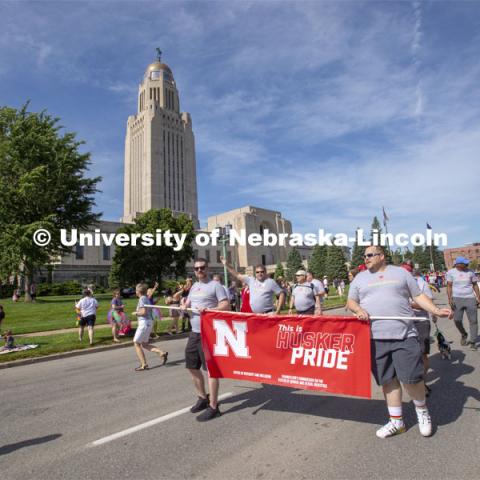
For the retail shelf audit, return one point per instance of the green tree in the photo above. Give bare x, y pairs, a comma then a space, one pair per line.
279, 270
421, 258
336, 265
397, 257
318, 261
438, 258
294, 263
375, 226
42, 185
136, 263
357, 253
408, 254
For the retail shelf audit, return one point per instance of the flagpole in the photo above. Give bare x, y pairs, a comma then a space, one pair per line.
432, 263
385, 218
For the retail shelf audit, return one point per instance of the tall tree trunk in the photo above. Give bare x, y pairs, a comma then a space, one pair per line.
28, 280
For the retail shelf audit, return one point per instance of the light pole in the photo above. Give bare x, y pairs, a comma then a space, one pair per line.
223, 238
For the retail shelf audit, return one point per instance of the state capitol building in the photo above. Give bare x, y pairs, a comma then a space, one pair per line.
160, 172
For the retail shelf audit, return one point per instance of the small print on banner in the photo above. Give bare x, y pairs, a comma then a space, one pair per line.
330, 354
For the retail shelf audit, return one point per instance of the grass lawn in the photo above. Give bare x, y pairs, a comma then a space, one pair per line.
66, 342
54, 313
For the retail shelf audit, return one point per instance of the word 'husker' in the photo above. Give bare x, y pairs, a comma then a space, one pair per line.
318, 349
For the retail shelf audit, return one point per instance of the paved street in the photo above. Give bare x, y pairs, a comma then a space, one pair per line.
53, 412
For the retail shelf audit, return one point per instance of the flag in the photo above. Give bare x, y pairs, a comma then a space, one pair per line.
385, 217
428, 226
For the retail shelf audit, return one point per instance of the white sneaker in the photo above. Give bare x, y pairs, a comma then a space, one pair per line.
391, 429
424, 422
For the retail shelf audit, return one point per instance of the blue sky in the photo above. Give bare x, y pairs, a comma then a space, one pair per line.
325, 111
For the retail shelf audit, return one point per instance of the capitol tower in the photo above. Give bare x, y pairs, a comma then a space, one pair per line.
160, 167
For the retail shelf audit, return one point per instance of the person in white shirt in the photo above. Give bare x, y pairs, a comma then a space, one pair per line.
88, 314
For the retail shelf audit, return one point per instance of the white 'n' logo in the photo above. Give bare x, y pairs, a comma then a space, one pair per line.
224, 335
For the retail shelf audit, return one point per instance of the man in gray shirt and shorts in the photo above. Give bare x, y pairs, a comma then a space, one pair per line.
385, 291
261, 288
204, 294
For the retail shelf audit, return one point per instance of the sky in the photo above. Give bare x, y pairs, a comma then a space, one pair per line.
325, 111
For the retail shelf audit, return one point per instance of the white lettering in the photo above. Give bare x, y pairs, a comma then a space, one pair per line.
237, 340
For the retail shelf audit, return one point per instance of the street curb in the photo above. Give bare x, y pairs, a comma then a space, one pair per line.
86, 351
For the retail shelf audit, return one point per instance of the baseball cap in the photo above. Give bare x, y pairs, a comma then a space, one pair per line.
301, 272
463, 260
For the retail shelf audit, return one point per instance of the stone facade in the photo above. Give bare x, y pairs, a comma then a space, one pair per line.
160, 167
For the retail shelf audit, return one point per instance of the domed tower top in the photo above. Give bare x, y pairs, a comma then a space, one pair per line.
155, 69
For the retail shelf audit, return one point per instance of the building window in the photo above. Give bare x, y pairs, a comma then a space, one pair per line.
195, 254
261, 229
219, 253
106, 252
229, 257
79, 252
207, 255
264, 259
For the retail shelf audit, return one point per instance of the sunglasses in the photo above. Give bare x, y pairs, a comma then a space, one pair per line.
370, 255
199, 269
260, 271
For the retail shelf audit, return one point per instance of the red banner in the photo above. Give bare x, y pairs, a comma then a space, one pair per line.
330, 354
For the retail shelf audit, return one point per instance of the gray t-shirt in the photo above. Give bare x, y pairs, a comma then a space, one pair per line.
387, 294
462, 283
142, 301
318, 285
204, 295
304, 296
424, 288
261, 294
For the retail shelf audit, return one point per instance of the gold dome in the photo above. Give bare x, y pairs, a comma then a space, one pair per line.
155, 66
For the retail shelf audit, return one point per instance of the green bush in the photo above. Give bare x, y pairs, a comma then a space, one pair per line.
66, 288
6, 290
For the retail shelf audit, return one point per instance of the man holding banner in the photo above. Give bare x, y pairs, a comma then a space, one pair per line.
204, 294
385, 291
261, 288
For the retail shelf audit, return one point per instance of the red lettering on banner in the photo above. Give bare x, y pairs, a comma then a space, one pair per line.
326, 341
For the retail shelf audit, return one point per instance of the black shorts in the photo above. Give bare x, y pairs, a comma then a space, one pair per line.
423, 328
400, 359
88, 320
309, 311
194, 357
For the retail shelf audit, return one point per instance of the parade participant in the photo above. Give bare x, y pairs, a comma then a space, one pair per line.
325, 286
88, 314
144, 328
218, 278
261, 289
204, 294
423, 326
305, 296
385, 291
184, 315
318, 285
116, 315
245, 299
464, 296
155, 311
174, 301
